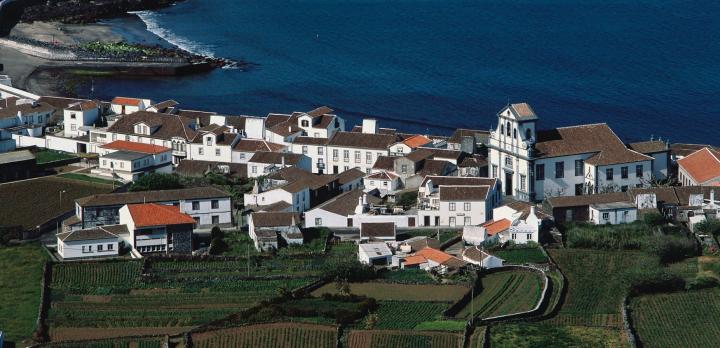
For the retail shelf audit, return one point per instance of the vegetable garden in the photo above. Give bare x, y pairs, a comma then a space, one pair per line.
505, 292
291, 335
403, 339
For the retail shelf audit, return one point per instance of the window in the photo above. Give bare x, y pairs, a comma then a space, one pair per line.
368, 157
578, 189
104, 163
514, 236
559, 170
335, 154
623, 172
452, 206
100, 247
385, 183
214, 204
320, 150
346, 155
201, 151
73, 127
452, 221
528, 134
357, 156
254, 169
494, 171
122, 164
508, 161
208, 141
195, 205
514, 133
110, 247
72, 116
468, 221
467, 206
217, 152
523, 186
579, 168
304, 123
609, 174
624, 188
403, 169
502, 128
215, 219
540, 172
507, 129
40, 118
605, 216
529, 236
318, 221
639, 170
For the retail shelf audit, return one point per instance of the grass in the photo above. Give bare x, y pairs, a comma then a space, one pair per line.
402, 339
36, 201
291, 335
20, 288
47, 156
539, 335
504, 293
406, 315
400, 292
441, 325
682, 319
407, 276
477, 340
83, 177
445, 234
595, 284
521, 255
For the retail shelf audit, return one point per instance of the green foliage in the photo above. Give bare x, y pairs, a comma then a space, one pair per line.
20, 288
519, 254
405, 315
408, 199
47, 156
540, 335
119, 48
217, 241
653, 280
702, 282
654, 219
407, 276
709, 226
156, 181
504, 293
441, 325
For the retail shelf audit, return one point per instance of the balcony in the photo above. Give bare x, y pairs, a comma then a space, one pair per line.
321, 165
522, 195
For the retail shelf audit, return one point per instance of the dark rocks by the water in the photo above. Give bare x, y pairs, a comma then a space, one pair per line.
82, 11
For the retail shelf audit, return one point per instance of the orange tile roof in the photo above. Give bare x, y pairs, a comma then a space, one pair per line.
493, 227
702, 165
152, 214
434, 255
126, 101
135, 147
416, 141
414, 260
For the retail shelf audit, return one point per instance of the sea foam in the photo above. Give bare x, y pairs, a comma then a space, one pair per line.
151, 20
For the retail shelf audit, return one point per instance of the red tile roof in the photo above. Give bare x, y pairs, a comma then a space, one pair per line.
701, 165
414, 260
434, 255
416, 141
126, 101
135, 147
494, 227
152, 214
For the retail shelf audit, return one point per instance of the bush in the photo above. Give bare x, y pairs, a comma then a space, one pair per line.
672, 249
156, 181
702, 282
217, 242
408, 199
709, 226
644, 281
654, 219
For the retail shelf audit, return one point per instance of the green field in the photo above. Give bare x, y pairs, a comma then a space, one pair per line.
402, 339
38, 200
400, 292
521, 255
477, 340
445, 234
539, 335
114, 343
682, 319
595, 284
291, 335
408, 276
47, 156
20, 288
504, 293
406, 315
92, 179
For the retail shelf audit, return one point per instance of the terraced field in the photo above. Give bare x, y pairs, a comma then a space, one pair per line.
505, 293
407, 292
402, 339
541, 335
683, 319
290, 335
407, 314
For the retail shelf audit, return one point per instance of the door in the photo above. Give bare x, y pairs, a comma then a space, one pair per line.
437, 221
426, 221
411, 222
335, 170
508, 184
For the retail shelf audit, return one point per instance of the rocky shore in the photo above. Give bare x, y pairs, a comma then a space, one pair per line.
82, 12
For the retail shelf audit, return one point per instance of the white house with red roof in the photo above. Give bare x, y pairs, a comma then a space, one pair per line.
125, 106
700, 168
128, 161
157, 228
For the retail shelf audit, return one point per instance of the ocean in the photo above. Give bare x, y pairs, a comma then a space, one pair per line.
647, 68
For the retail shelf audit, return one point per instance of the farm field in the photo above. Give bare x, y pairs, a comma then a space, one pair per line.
477, 340
521, 255
291, 335
505, 293
171, 296
539, 335
47, 156
406, 315
556, 289
83, 177
20, 288
402, 339
595, 284
412, 276
682, 319
150, 342
36, 201
400, 292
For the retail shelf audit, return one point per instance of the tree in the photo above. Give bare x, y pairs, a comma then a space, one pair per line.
342, 286
217, 241
156, 181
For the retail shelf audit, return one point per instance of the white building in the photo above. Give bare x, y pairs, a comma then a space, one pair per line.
214, 143
352, 209
360, 150
384, 182
157, 228
23, 117
264, 163
456, 201
659, 151
315, 149
525, 222
126, 106
129, 161
477, 256
613, 213
377, 254
79, 115
264, 227
246, 148
297, 194
701, 167
101, 241
533, 165
318, 123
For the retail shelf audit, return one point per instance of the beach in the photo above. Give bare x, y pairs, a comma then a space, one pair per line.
42, 76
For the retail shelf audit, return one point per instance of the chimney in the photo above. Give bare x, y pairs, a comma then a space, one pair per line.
293, 223
282, 161
712, 197
364, 199
197, 122
532, 210
360, 208
369, 126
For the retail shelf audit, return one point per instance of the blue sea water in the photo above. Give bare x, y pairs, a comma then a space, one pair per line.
645, 67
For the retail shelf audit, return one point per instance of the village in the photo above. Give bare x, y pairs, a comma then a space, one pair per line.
157, 225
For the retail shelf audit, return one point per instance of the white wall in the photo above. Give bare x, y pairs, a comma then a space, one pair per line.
618, 182
206, 212
365, 163
565, 186
328, 219
477, 213
614, 216
74, 249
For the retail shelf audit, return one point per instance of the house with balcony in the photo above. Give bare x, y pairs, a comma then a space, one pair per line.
263, 163
169, 130
533, 165
456, 201
157, 228
128, 161
318, 123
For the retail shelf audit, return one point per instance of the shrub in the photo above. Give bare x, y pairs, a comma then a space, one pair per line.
709, 226
671, 249
702, 282
646, 281
654, 219
156, 181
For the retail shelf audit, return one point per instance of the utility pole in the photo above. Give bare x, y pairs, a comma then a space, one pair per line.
248, 260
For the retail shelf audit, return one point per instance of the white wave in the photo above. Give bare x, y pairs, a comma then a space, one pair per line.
151, 21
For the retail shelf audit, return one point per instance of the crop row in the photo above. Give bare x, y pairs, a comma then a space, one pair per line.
100, 274
400, 339
267, 336
407, 314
